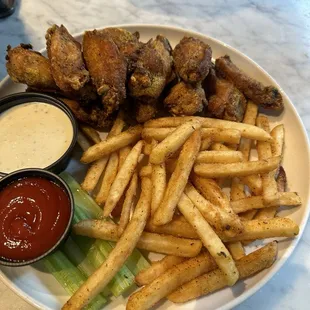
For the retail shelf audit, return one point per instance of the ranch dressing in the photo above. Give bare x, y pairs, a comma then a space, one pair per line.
33, 135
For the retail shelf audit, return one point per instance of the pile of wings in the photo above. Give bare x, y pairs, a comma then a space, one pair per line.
112, 68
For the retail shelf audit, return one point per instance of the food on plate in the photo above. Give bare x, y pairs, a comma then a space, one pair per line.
107, 68
227, 102
66, 59
192, 59
268, 97
185, 99
26, 215
29, 67
128, 43
24, 145
157, 268
215, 280
178, 179
161, 183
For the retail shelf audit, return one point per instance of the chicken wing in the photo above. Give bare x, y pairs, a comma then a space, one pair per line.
268, 97
66, 59
107, 67
192, 59
127, 43
186, 99
145, 110
228, 102
153, 69
29, 67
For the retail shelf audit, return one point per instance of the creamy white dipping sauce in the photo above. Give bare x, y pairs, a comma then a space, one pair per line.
33, 135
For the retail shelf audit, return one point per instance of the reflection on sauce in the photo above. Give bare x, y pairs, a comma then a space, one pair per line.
33, 135
34, 213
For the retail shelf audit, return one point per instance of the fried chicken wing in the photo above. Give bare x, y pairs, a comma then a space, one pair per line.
127, 43
228, 102
153, 69
185, 99
29, 67
107, 67
192, 59
145, 110
92, 115
268, 97
66, 59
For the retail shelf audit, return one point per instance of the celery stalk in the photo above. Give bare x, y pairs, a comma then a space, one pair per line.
69, 276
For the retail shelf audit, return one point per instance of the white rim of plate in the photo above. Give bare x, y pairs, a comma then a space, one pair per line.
302, 225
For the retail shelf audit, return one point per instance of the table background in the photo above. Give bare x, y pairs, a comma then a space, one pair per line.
275, 34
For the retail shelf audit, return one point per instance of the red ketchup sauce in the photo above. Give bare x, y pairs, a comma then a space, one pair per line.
34, 213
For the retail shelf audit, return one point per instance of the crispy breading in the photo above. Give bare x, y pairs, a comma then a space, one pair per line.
268, 97
227, 102
127, 43
185, 99
66, 59
153, 69
192, 59
29, 67
145, 109
107, 67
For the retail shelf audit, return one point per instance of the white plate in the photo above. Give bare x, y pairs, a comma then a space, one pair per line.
40, 288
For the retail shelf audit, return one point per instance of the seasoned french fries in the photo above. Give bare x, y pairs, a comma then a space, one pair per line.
148, 275
122, 155
215, 280
237, 169
178, 180
90, 133
236, 249
103, 275
258, 202
146, 171
128, 204
158, 243
169, 281
122, 178
221, 135
173, 142
210, 239
219, 157
247, 131
132, 135
277, 144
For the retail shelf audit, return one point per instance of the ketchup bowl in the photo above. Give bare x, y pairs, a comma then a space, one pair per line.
36, 212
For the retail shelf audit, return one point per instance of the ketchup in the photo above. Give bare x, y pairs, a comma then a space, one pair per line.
34, 213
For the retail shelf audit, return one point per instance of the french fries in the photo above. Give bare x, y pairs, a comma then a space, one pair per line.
90, 133
102, 276
122, 178
132, 135
148, 275
187, 160
128, 203
173, 142
210, 239
165, 284
247, 131
219, 157
95, 171
258, 202
158, 243
215, 280
178, 180
237, 169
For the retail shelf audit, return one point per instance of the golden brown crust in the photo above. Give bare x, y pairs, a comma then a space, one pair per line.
269, 97
107, 67
29, 67
192, 59
66, 59
185, 99
227, 102
153, 69
145, 110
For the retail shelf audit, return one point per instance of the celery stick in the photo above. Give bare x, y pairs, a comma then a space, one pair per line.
69, 276
78, 259
86, 207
